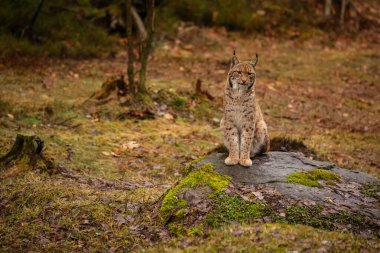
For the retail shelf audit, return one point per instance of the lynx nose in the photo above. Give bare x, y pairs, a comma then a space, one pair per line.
244, 79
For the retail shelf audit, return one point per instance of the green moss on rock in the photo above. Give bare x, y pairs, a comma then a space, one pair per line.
204, 184
233, 208
190, 165
311, 178
306, 215
201, 176
371, 190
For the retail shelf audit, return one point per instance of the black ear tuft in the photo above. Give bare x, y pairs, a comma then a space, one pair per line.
234, 60
254, 62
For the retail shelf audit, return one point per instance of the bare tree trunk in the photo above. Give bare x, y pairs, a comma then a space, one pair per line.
328, 5
342, 12
147, 45
129, 24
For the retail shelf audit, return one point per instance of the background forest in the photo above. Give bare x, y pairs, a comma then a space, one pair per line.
112, 148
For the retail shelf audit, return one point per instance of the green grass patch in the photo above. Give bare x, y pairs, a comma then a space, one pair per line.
311, 178
179, 102
204, 110
30, 121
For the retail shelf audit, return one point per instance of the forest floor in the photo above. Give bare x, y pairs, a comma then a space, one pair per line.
325, 94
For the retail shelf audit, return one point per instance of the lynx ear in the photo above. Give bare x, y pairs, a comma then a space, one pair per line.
234, 60
254, 62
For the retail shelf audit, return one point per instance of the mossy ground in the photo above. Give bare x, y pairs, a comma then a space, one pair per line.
268, 238
313, 216
322, 93
311, 177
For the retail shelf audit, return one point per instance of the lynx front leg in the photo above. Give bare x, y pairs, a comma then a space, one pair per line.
245, 148
231, 138
260, 142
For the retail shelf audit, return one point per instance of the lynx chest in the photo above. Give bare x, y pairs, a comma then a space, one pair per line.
239, 110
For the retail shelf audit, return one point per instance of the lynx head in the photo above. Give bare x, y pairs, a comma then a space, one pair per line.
242, 75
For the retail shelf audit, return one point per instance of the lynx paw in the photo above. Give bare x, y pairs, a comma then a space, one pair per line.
246, 162
231, 161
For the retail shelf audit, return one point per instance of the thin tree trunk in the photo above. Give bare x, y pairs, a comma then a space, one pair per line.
328, 6
33, 20
129, 24
342, 12
147, 45
36, 14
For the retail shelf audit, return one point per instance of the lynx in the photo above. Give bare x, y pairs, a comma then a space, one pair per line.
245, 131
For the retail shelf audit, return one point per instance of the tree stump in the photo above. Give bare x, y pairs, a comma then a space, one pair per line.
115, 84
26, 150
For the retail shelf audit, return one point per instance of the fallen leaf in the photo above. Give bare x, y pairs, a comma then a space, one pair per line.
117, 152
105, 153
328, 199
168, 116
130, 145
10, 116
148, 184
120, 219
114, 154
258, 195
188, 47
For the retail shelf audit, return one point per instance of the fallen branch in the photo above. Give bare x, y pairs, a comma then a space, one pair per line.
98, 182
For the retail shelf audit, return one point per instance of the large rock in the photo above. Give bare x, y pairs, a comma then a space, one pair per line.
278, 187
273, 169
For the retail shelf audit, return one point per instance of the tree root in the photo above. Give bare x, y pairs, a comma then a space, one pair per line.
98, 182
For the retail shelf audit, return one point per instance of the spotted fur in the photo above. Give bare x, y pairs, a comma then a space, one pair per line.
245, 131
